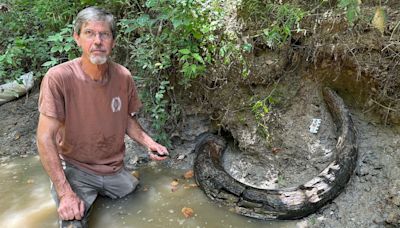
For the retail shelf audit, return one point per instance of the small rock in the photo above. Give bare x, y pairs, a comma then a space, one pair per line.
174, 183
379, 221
396, 201
362, 171
393, 218
133, 160
136, 174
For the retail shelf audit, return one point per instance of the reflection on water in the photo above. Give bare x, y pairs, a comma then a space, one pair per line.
157, 202
25, 195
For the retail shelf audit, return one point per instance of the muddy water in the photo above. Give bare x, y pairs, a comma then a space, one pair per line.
26, 201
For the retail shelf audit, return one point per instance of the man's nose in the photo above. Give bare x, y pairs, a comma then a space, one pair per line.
97, 38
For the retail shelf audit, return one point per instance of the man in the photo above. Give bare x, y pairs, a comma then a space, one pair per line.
87, 105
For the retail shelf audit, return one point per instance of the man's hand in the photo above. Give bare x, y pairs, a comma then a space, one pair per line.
158, 152
71, 207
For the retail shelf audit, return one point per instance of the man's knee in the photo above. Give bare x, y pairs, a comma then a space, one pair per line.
120, 185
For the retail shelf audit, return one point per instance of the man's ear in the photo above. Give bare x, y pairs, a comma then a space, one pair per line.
77, 39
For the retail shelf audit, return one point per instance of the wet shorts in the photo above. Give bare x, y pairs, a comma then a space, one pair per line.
88, 185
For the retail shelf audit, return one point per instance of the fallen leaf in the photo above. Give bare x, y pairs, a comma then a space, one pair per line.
189, 174
187, 212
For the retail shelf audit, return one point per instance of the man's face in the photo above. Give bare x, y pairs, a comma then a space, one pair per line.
96, 41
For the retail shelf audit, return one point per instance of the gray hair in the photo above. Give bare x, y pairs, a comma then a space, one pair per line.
94, 13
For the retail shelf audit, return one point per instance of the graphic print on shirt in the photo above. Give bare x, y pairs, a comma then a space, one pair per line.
116, 104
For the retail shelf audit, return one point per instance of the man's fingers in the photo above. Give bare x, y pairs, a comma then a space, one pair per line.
82, 209
71, 208
78, 210
163, 150
158, 158
66, 214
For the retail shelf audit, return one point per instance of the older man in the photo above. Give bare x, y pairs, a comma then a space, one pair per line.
87, 105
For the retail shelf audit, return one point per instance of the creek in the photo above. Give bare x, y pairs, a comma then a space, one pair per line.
26, 201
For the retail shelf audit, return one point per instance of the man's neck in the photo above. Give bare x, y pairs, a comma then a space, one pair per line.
94, 71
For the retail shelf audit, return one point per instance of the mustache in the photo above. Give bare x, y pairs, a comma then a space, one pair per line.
97, 49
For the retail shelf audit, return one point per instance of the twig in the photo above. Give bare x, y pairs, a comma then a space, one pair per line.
383, 106
395, 27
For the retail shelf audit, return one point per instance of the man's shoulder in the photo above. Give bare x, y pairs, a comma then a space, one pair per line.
62, 69
120, 70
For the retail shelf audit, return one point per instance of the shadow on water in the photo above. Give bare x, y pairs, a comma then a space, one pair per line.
157, 202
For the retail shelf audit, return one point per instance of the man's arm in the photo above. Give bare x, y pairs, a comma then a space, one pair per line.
71, 206
136, 132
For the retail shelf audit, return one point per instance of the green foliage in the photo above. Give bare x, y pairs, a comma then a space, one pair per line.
352, 9
159, 114
273, 22
21, 55
287, 17
260, 109
179, 34
23, 45
63, 47
176, 40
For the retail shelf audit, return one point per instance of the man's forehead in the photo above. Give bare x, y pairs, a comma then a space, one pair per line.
103, 25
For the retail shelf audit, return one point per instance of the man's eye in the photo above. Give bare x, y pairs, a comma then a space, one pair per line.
88, 32
105, 35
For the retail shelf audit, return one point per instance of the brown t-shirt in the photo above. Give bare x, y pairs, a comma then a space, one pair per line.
94, 114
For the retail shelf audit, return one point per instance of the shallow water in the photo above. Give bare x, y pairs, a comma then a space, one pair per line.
26, 201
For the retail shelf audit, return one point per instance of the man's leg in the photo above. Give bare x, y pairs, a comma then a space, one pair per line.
119, 185
86, 186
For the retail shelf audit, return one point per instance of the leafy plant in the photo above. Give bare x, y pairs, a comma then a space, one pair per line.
22, 55
23, 45
273, 22
260, 109
62, 47
175, 40
287, 18
352, 8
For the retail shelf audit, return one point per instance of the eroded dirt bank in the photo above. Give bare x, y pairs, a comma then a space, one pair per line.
371, 199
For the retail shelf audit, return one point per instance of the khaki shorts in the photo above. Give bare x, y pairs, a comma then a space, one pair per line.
88, 185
